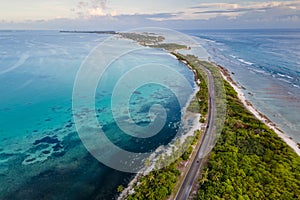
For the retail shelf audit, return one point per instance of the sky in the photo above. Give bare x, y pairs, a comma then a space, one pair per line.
127, 14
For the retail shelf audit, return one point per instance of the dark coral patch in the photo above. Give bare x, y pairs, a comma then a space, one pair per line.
30, 160
46, 152
68, 125
47, 139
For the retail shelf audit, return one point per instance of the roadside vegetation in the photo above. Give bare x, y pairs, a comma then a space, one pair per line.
159, 184
249, 160
200, 103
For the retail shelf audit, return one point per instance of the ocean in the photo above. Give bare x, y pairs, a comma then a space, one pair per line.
266, 64
41, 154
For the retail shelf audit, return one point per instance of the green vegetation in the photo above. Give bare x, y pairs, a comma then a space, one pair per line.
249, 160
200, 103
120, 188
220, 106
145, 39
153, 40
159, 184
169, 46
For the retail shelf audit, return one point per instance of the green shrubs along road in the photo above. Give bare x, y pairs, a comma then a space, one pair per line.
249, 160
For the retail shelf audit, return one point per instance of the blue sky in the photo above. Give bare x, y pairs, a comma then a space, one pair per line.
126, 14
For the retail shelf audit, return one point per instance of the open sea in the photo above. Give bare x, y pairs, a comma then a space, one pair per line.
41, 155
267, 64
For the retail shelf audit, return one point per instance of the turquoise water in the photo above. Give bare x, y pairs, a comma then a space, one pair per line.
267, 64
41, 155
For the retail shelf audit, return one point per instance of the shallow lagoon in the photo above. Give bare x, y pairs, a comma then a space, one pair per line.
41, 155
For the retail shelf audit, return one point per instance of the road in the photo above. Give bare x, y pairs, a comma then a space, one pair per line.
204, 148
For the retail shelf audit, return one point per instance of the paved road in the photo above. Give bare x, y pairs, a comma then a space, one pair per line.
204, 148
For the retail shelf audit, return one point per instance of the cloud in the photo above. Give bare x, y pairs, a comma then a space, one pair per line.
215, 5
253, 19
163, 16
222, 11
206, 11
96, 12
224, 8
92, 15
93, 8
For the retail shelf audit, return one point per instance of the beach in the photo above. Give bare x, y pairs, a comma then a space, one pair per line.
263, 118
198, 126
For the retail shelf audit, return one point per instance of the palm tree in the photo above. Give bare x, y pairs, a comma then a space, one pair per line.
204, 177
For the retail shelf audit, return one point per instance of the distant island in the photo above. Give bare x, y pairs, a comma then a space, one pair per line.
97, 32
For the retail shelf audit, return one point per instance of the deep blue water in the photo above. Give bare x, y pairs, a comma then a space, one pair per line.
41, 155
267, 64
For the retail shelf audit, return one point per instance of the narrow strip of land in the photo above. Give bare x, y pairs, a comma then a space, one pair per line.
204, 148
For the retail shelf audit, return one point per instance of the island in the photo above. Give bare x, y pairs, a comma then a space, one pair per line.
250, 160
96, 32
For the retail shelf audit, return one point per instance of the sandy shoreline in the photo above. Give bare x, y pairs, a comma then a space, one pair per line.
226, 75
197, 125
258, 114
264, 119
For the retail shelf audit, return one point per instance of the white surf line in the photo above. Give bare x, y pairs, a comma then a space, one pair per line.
260, 116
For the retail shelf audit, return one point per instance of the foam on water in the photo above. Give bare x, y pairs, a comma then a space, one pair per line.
272, 57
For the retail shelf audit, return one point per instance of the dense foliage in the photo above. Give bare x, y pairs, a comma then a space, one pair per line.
249, 160
159, 184
156, 185
200, 103
169, 46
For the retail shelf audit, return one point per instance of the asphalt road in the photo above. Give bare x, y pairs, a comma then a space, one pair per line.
204, 148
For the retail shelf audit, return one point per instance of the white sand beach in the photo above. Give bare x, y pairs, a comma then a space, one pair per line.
257, 113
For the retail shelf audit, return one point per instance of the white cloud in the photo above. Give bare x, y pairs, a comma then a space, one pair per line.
206, 11
92, 8
96, 12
